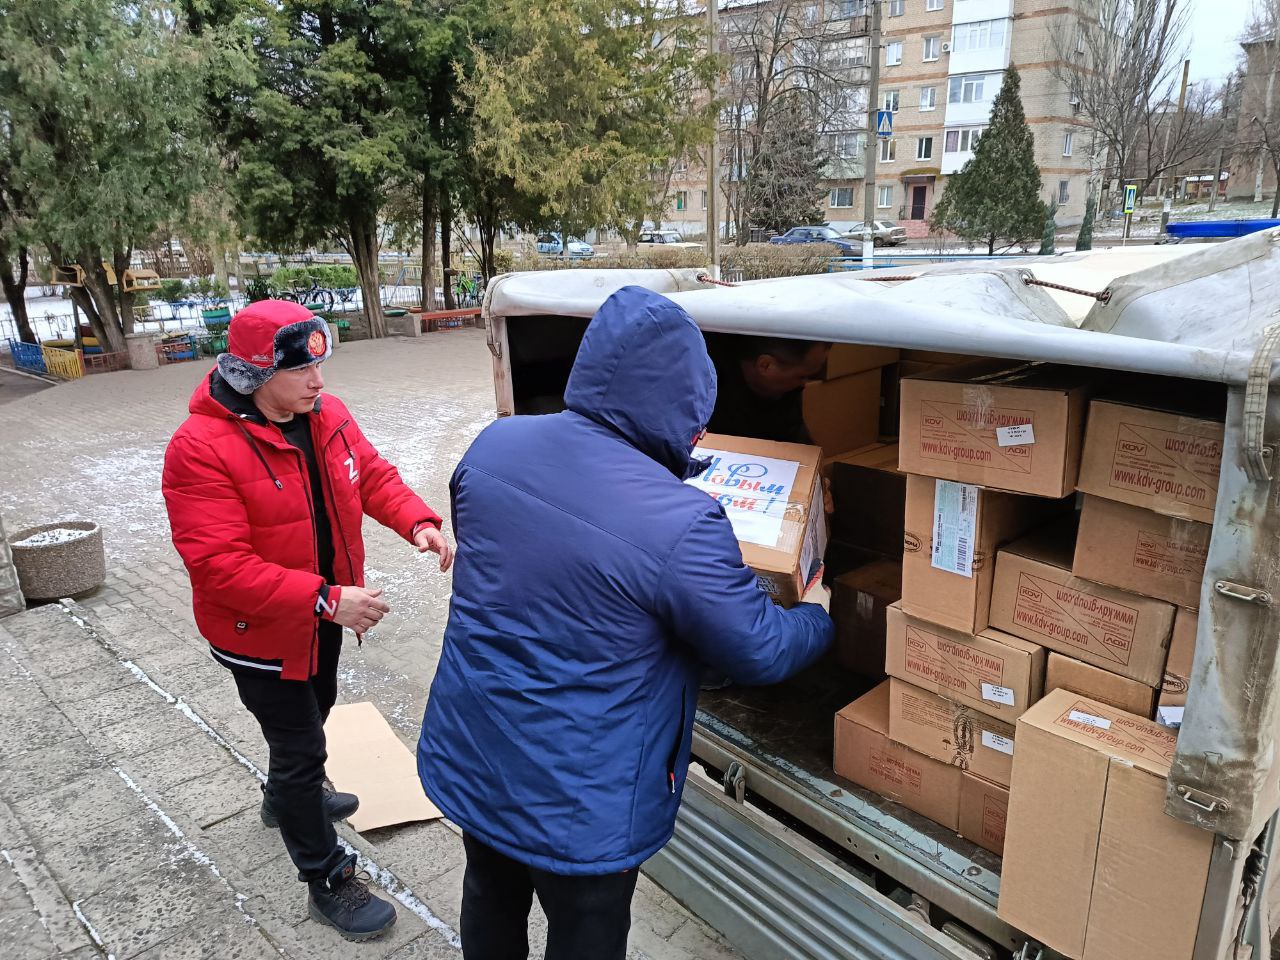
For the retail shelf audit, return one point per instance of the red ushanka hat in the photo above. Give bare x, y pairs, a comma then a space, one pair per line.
272, 335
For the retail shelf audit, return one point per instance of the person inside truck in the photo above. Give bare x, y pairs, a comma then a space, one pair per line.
761, 385
591, 585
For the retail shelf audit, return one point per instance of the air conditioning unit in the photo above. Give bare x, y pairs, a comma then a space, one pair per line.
946, 46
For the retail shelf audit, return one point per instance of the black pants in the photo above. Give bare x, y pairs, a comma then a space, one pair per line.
291, 714
588, 918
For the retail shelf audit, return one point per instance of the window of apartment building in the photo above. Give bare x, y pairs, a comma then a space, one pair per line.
845, 144
892, 101
884, 197
810, 15
888, 150
682, 199
842, 197
1064, 191
847, 9
893, 53
971, 88
1068, 143
682, 165
847, 53
982, 35
924, 148
897, 7
963, 140
932, 48
928, 98
933, 4
704, 199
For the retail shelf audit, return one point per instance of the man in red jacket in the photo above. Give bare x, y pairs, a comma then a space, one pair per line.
267, 483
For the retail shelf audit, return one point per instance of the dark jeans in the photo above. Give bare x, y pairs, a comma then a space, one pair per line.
291, 714
588, 918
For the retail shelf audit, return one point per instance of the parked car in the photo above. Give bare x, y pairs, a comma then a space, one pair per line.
550, 244
670, 239
818, 235
884, 233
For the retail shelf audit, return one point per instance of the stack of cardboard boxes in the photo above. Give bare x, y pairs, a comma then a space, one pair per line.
1031, 644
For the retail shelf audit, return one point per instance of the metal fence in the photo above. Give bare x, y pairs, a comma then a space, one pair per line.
889, 261
49, 361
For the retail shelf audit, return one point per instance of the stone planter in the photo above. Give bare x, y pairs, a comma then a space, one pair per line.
142, 351
63, 559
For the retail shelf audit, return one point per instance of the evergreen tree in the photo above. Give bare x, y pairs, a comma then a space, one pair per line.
996, 196
1050, 228
784, 186
1085, 240
103, 140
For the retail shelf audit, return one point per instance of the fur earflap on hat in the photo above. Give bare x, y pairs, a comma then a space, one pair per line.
272, 335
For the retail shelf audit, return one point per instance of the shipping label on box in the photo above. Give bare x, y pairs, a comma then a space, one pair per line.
946, 596
1142, 551
1000, 675
1036, 597
950, 732
1152, 458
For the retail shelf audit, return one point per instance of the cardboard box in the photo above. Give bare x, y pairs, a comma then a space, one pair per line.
772, 494
991, 671
843, 414
1066, 673
1182, 652
865, 754
859, 601
1142, 551
951, 732
1036, 598
1158, 459
1092, 866
846, 359
984, 808
869, 495
949, 581
1010, 427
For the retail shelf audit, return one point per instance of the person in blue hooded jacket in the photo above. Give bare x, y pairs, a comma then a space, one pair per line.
591, 588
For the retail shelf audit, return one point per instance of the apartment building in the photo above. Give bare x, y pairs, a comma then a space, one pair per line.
1244, 165
941, 65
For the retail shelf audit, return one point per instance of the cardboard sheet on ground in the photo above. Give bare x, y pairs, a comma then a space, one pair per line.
367, 758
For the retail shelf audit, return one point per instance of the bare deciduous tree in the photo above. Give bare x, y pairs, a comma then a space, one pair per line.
785, 59
1260, 132
1119, 61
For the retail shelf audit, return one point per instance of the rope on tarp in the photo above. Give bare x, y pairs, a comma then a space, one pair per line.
706, 278
1103, 296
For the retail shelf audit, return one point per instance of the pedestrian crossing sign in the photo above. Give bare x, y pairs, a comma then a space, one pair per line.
884, 123
1130, 197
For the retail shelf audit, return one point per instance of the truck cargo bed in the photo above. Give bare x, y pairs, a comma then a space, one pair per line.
782, 738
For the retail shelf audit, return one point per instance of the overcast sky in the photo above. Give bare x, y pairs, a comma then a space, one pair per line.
1214, 32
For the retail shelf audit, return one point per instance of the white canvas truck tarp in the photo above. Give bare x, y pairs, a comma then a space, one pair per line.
1203, 312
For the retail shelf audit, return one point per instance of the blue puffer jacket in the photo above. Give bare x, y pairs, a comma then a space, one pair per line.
590, 585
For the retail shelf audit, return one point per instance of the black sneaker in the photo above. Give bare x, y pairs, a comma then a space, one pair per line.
343, 901
339, 806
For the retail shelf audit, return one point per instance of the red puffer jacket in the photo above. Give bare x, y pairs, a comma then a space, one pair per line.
240, 507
